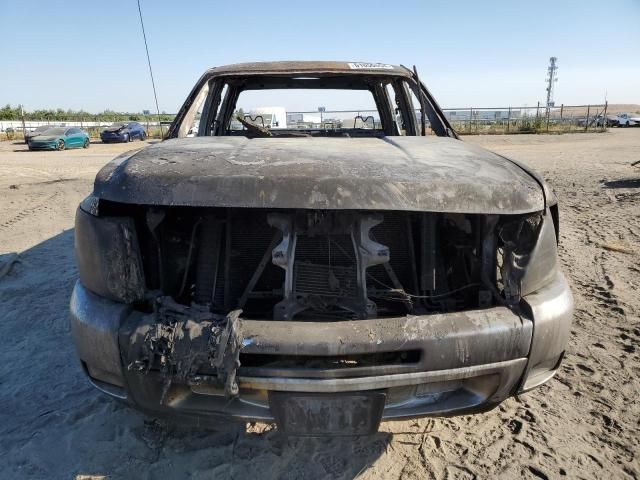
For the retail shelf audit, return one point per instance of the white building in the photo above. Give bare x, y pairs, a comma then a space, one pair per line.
481, 115
269, 117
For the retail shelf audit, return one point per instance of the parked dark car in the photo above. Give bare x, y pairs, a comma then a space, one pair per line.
599, 121
123, 132
612, 121
325, 279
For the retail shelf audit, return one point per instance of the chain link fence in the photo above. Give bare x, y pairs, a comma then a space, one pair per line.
530, 119
465, 120
473, 121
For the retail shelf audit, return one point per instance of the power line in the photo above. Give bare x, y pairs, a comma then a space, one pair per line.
153, 83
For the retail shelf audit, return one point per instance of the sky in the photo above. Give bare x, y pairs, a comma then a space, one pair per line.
90, 55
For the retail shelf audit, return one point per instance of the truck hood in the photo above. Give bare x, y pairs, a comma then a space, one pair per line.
394, 173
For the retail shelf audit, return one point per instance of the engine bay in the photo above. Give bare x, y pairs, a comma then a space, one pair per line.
317, 265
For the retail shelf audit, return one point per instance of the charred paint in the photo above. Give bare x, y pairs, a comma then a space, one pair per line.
410, 173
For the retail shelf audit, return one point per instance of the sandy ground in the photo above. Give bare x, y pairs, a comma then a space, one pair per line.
583, 424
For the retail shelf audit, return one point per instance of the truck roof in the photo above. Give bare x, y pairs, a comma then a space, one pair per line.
310, 67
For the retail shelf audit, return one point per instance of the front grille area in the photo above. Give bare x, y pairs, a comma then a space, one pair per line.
377, 359
325, 249
316, 265
325, 280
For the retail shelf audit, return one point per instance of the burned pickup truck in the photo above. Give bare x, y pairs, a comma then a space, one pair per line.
326, 271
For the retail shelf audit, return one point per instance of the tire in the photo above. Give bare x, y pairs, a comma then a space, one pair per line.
143, 137
127, 138
86, 143
60, 145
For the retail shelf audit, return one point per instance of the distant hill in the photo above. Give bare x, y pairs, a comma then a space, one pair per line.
581, 112
623, 108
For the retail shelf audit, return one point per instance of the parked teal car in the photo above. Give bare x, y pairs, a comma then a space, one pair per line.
60, 138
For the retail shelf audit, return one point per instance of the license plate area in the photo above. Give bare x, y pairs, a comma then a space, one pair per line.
318, 414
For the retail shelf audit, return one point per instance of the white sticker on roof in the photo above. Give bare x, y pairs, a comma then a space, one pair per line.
370, 66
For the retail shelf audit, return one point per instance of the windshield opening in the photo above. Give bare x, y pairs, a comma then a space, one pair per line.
54, 131
341, 105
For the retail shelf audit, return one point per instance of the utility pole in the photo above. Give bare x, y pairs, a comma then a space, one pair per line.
24, 128
552, 78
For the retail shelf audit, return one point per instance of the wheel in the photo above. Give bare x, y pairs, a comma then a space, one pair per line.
143, 137
60, 145
86, 143
127, 138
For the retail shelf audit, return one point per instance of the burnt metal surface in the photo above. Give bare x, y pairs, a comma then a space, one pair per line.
95, 321
180, 341
451, 340
420, 268
455, 341
403, 173
294, 67
108, 249
289, 69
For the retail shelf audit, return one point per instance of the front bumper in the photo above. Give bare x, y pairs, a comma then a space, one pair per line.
468, 361
120, 137
43, 146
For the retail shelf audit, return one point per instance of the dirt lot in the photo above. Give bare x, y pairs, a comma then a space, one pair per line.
583, 424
